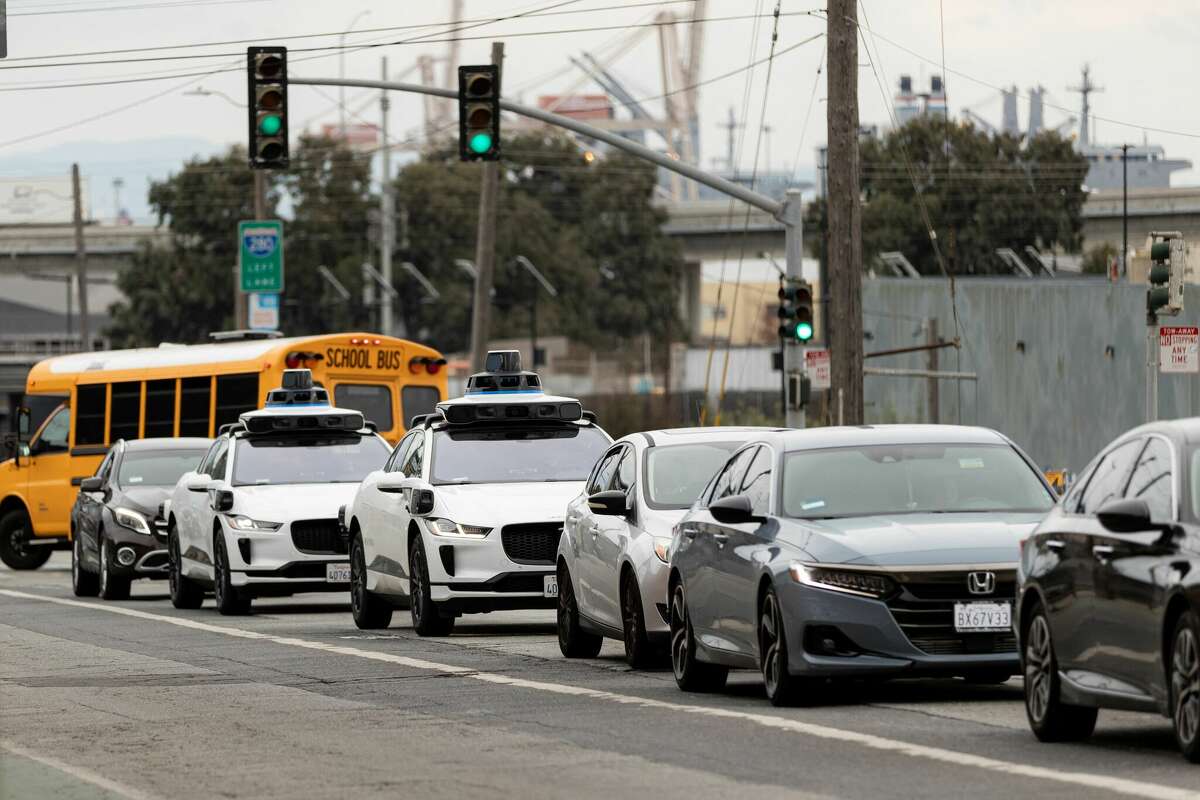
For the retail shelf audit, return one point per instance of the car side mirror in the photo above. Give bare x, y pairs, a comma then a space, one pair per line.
393, 483
200, 483
734, 510
94, 484
610, 502
1126, 516
420, 502
221, 500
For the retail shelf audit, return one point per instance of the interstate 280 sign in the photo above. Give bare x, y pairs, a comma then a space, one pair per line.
260, 255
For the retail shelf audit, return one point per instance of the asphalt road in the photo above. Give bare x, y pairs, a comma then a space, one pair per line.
138, 700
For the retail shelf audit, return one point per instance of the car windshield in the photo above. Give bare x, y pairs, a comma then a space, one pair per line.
516, 455
157, 467
875, 480
276, 460
676, 474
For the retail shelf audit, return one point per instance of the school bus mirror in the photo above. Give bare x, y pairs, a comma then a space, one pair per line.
23, 420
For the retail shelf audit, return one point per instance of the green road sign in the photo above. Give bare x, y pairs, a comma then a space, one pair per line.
260, 261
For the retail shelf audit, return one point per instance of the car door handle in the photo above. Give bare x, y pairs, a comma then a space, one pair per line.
1103, 551
1056, 545
594, 530
688, 533
720, 539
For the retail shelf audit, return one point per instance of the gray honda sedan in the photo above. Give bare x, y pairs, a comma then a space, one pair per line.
874, 551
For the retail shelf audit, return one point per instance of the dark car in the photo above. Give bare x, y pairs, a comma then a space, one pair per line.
873, 551
1109, 591
117, 531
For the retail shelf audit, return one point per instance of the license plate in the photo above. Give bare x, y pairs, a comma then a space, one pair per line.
550, 586
337, 573
982, 617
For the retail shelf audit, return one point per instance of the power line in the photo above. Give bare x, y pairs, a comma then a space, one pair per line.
139, 7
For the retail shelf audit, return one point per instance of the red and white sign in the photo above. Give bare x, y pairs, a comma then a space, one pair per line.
1178, 349
816, 364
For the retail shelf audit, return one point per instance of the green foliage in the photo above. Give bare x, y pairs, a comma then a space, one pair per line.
589, 228
1096, 261
982, 192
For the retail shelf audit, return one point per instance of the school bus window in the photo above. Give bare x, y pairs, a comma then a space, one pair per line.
194, 405
126, 408
56, 434
160, 408
415, 400
236, 394
40, 406
375, 402
89, 414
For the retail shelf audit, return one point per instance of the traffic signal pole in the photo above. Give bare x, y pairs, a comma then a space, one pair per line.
485, 246
788, 212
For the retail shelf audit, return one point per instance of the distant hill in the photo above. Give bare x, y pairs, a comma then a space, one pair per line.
136, 161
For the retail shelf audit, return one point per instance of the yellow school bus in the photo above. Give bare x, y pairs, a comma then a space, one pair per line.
185, 390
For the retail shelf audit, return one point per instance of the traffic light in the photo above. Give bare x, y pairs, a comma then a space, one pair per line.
479, 113
1165, 295
796, 310
268, 143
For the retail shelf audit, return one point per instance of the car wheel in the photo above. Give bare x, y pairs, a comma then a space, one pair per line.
573, 640
691, 674
427, 618
783, 688
185, 592
1185, 686
1050, 718
638, 650
371, 612
231, 601
15, 550
112, 585
84, 583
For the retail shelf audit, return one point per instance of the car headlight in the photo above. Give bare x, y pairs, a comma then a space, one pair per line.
241, 523
440, 526
662, 548
128, 518
866, 584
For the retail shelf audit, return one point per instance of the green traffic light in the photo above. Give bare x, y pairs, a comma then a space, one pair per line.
804, 331
480, 143
270, 124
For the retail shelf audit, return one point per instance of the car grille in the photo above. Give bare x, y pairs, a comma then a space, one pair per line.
924, 610
317, 536
531, 543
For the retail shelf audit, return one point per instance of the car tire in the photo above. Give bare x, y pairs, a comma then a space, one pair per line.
1185, 685
782, 687
231, 601
15, 533
639, 652
84, 583
185, 592
427, 618
370, 611
112, 585
691, 674
1049, 717
573, 640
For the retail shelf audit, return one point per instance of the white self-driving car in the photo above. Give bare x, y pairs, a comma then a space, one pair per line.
466, 515
614, 552
259, 515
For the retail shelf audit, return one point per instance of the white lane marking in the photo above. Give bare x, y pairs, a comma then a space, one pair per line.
80, 773
1154, 791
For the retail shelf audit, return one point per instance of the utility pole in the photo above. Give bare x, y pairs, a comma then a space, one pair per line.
240, 298
932, 365
485, 248
81, 264
1124, 209
385, 213
844, 238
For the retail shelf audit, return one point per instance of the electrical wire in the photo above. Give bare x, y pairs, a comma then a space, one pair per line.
139, 7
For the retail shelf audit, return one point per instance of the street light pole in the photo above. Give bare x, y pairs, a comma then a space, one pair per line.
535, 278
385, 212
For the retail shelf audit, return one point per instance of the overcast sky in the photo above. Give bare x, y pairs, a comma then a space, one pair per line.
1145, 55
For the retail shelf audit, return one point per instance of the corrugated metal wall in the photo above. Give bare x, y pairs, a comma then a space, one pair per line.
1061, 362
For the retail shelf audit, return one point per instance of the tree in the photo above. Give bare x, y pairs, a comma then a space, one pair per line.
182, 292
982, 192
